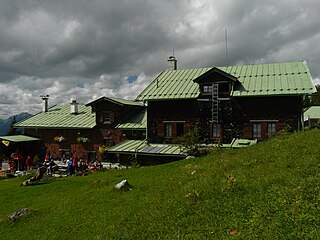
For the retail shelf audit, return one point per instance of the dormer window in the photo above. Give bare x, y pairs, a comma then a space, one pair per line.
106, 118
207, 88
216, 82
217, 89
224, 88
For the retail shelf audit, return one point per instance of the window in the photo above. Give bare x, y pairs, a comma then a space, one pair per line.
216, 130
108, 142
168, 130
106, 117
224, 87
256, 130
207, 89
271, 129
180, 129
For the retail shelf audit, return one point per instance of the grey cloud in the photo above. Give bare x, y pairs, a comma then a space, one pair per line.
57, 46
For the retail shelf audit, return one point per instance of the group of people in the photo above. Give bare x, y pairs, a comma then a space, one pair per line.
74, 166
18, 163
81, 167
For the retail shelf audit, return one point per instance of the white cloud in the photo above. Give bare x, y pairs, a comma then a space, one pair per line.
88, 49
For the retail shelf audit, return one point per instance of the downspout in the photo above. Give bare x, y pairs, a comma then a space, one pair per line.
136, 150
145, 139
302, 113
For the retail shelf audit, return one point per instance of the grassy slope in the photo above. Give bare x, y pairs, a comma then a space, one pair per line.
267, 191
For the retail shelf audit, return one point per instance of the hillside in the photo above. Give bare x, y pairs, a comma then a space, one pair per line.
5, 124
266, 191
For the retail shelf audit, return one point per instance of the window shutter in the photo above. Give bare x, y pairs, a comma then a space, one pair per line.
186, 128
161, 130
112, 117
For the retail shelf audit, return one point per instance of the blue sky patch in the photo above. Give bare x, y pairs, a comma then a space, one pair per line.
80, 85
132, 78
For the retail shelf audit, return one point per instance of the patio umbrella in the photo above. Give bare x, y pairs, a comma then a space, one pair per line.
5, 142
17, 158
47, 156
46, 159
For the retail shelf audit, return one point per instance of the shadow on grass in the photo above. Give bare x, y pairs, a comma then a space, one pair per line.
33, 184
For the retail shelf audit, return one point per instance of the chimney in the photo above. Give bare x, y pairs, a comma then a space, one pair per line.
74, 106
172, 63
44, 102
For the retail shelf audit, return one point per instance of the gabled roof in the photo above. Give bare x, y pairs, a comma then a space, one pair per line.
312, 112
59, 116
118, 101
176, 84
136, 121
291, 78
224, 76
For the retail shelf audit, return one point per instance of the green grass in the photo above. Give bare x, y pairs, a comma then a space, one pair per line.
267, 191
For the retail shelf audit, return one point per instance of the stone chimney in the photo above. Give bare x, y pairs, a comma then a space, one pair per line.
44, 102
172, 63
74, 106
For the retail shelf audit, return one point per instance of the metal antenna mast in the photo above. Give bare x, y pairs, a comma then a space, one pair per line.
226, 40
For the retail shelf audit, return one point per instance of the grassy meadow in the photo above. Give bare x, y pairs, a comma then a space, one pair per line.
266, 191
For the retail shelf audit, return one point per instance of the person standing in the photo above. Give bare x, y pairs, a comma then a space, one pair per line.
28, 163
70, 168
75, 163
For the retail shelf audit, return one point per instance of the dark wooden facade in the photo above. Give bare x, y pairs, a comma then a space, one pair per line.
87, 141
221, 117
72, 142
238, 118
108, 116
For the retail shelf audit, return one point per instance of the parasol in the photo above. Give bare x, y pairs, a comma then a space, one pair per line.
17, 158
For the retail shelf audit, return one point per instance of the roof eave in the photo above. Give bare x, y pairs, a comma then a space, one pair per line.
170, 99
271, 95
49, 127
151, 154
215, 69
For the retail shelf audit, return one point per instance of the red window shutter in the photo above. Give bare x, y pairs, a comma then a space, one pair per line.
186, 128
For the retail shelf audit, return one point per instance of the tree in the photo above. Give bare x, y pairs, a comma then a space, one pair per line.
190, 141
313, 100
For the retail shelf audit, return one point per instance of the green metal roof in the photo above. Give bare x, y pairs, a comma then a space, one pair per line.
127, 102
119, 101
141, 147
19, 138
312, 112
59, 116
136, 121
291, 78
176, 84
239, 143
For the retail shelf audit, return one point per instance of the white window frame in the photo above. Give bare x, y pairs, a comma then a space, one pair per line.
216, 130
106, 117
272, 129
207, 88
256, 130
168, 130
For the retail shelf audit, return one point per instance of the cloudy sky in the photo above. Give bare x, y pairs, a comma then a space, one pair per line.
86, 49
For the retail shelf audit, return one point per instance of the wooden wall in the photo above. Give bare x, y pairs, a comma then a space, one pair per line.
236, 120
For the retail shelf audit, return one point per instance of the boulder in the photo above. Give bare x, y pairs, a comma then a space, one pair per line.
123, 185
